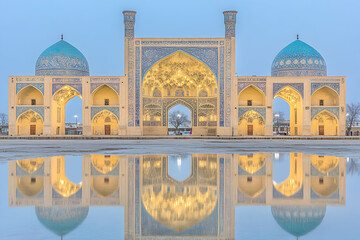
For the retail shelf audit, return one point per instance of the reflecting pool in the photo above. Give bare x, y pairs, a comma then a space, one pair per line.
189, 196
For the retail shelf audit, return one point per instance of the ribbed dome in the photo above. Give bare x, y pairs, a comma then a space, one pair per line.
62, 59
298, 220
298, 59
61, 220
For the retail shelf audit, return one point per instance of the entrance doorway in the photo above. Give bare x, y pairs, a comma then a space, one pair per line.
32, 129
179, 120
321, 130
250, 130
107, 129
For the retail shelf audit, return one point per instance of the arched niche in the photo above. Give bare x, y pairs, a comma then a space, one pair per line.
324, 164
103, 185
179, 75
325, 186
30, 186
251, 96
29, 123
251, 123
104, 95
252, 185
105, 123
30, 96
325, 124
325, 96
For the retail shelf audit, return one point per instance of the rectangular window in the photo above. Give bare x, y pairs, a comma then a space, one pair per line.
321, 102
249, 102
33, 101
106, 102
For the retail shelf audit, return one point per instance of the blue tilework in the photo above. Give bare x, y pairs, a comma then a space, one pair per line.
62, 59
96, 110
260, 110
56, 87
297, 86
298, 59
114, 86
38, 86
333, 86
316, 110
259, 85
191, 43
137, 86
151, 55
21, 109
221, 87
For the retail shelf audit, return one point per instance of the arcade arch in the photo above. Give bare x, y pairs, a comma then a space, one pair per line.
325, 124
179, 77
30, 96
105, 123
325, 96
295, 101
30, 123
60, 100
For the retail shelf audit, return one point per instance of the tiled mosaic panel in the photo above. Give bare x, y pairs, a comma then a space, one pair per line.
333, 86
20, 110
38, 86
96, 110
316, 110
297, 86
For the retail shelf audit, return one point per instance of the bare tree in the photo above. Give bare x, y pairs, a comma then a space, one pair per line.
3, 122
176, 119
278, 118
352, 115
353, 166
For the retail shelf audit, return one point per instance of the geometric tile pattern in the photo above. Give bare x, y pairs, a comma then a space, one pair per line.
96, 110
260, 85
38, 86
333, 86
316, 110
260, 110
76, 86
114, 86
21, 109
297, 86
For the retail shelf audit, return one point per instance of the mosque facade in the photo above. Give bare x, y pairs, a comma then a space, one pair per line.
158, 204
160, 73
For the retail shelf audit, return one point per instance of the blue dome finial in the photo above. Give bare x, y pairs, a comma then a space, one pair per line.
298, 59
297, 37
62, 59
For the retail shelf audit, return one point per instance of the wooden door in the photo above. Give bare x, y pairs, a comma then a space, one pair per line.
107, 129
321, 130
32, 129
250, 130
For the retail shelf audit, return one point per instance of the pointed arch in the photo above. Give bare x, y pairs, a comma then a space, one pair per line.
101, 125
104, 95
179, 70
251, 123
251, 96
325, 96
293, 183
65, 93
30, 95
26, 125
325, 123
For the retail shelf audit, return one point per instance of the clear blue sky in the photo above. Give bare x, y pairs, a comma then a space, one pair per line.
27, 27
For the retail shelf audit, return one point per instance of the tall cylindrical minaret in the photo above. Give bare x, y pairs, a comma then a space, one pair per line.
230, 21
129, 21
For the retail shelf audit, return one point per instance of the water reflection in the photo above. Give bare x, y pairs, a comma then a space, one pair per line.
196, 203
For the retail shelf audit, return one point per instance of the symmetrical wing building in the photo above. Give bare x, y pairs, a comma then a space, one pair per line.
160, 73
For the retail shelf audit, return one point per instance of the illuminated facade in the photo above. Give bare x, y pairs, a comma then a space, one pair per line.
201, 206
163, 72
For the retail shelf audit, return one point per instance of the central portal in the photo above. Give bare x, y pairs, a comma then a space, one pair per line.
180, 79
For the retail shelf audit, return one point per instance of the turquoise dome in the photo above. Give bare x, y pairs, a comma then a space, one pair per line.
298, 220
62, 59
298, 59
61, 220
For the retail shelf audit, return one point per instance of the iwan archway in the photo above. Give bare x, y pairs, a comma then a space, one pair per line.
179, 79
60, 98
